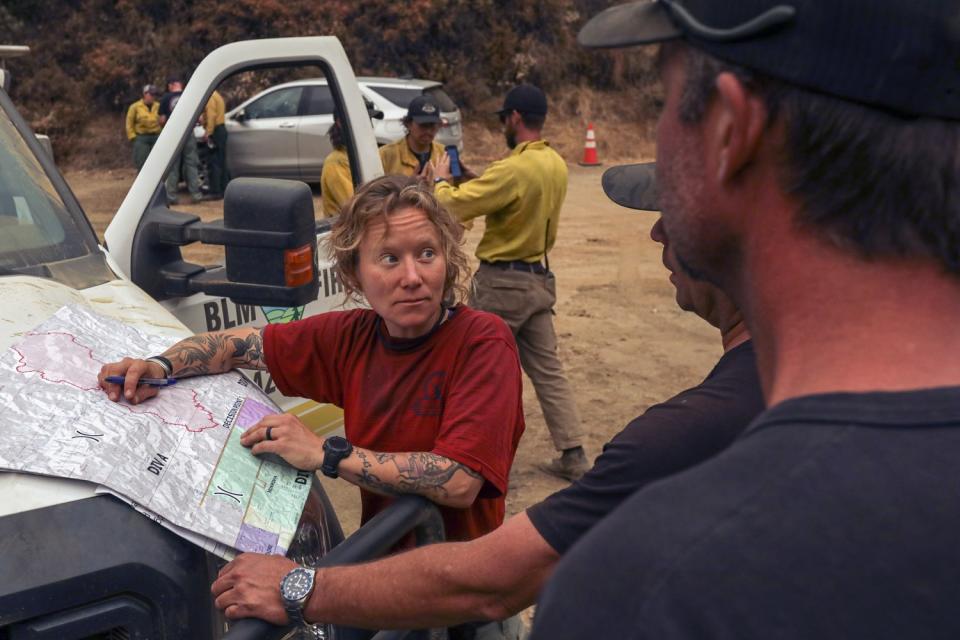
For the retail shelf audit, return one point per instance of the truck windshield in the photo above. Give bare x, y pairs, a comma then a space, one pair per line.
36, 227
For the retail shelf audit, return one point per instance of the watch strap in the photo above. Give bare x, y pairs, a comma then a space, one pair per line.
295, 614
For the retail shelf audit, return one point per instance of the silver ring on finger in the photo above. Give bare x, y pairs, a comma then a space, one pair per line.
268, 436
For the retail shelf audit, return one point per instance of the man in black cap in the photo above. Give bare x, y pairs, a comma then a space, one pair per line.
501, 573
189, 158
520, 197
809, 164
417, 150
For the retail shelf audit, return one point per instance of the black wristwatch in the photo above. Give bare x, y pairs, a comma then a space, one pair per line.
295, 590
335, 449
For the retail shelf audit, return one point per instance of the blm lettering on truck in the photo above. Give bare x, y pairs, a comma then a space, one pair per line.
224, 314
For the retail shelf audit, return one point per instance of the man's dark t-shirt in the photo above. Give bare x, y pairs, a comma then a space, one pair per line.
833, 516
168, 102
668, 438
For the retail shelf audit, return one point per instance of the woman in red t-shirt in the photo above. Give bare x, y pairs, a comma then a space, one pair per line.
431, 390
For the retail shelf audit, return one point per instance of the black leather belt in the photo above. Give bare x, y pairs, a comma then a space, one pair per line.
517, 265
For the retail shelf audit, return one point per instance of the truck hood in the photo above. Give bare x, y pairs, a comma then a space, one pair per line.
27, 302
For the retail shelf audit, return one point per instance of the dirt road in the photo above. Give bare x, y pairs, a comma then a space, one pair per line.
624, 342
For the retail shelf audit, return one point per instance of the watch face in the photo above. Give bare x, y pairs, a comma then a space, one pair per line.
337, 444
297, 584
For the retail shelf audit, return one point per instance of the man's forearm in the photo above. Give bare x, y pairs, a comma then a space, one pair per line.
217, 352
489, 578
433, 476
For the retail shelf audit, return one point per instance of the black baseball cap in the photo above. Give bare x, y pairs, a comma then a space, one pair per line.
898, 55
633, 186
423, 110
525, 98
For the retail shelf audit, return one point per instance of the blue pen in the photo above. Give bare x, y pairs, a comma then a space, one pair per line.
152, 382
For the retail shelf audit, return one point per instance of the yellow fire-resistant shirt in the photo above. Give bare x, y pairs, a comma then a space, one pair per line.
214, 113
143, 120
397, 158
520, 196
336, 183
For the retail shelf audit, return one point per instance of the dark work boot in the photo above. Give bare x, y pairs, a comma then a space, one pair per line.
571, 464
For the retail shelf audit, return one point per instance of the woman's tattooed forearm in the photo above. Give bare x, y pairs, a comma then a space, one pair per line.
370, 480
194, 355
423, 473
249, 351
209, 352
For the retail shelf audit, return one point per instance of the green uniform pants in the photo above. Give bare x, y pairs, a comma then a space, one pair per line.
189, 159
142, 145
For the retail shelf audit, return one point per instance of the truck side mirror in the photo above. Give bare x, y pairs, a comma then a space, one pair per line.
269, 233
279, 218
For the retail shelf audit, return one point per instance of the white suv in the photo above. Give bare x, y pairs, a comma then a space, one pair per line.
282, 131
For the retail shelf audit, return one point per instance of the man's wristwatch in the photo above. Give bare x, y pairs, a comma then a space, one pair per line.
335, 449
295, 589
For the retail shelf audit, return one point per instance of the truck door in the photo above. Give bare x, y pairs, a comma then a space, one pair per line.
201, 312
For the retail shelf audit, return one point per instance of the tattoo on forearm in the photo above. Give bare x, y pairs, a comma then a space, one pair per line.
422, 473
249, 350
207, 352
194, 355
371, 481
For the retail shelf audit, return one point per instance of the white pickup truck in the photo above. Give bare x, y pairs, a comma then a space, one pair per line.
76, 565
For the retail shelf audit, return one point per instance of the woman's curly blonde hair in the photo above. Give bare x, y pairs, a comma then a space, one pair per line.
376, 201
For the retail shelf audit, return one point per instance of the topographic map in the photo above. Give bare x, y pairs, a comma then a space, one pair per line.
177, 457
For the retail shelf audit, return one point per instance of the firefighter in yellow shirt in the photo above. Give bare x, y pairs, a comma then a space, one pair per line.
143, 124
336, 181
520, 197
409, 155
215, 130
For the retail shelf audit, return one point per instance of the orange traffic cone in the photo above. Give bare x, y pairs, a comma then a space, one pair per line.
590, 149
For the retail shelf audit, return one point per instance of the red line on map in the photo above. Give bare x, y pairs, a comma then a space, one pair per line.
24, 367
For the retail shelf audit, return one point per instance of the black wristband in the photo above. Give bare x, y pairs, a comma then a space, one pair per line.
163, 362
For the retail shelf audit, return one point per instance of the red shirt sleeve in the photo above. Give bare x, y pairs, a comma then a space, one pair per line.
303, 357
483, 416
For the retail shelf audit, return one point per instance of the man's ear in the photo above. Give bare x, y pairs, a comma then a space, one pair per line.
738, 125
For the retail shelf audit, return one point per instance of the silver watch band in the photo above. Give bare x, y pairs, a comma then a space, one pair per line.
295, 613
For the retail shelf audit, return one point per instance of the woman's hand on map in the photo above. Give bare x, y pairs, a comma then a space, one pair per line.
247, 587
132, 370
288, 438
